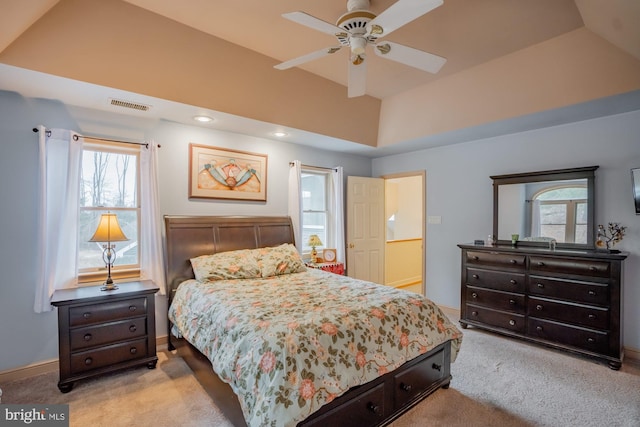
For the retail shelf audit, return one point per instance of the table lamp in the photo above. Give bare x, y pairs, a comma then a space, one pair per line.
108, 231
314, 241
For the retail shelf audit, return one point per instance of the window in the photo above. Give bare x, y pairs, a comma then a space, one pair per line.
563, 213
316, 210
109, 183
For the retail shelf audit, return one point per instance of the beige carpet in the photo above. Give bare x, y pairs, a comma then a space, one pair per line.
496, 382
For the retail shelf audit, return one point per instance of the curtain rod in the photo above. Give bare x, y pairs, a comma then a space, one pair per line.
315, 167
75, 138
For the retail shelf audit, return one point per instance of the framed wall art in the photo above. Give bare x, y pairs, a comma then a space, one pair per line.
220, 173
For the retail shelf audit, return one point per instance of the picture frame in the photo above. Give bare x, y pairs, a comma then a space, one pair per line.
329, 255
221, 173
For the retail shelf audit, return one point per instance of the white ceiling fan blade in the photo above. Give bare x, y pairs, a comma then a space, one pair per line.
306, 58
409, 56
313, 22
357, 84
400, 13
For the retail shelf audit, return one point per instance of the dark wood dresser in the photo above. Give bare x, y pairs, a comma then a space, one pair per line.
565, 299
103, 331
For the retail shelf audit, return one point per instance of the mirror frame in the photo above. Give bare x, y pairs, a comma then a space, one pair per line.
587, 173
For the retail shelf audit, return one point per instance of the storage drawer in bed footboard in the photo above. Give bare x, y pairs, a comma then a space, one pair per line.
418, 379
368, 410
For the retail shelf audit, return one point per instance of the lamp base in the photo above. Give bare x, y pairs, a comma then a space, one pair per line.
109, 287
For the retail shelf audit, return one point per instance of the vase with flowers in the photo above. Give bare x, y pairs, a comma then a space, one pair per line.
609, 236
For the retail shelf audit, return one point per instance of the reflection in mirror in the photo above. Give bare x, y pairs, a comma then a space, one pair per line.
546, 206
541, 211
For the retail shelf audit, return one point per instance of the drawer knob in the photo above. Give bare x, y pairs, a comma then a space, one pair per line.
593, 268
88, 361
475, 276
132, 308
539, 328
512, 302
133, 350
592, 316
474, 313
87, 337
513, 261
540, 285
539, 307
513, 282
512, 322
590, 340
86, 315
540, 264
132, 328
474, 295
436, 367
373, 408
406, 387
475, 258
592, 293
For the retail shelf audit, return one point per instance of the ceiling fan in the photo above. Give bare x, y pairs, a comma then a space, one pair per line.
360, 27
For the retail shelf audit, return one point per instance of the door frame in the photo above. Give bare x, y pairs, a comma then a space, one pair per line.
423, 174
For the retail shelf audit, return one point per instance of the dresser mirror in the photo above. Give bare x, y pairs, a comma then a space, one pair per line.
541, 206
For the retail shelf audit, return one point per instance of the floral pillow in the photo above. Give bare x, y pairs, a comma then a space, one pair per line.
240, 264
278, 260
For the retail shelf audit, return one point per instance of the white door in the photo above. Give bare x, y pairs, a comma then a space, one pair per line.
365, 228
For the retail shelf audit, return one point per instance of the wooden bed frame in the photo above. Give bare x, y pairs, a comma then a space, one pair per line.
376, 403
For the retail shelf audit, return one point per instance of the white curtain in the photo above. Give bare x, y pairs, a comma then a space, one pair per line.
151, 256
337, 199
59, 163
295, 202
535, 218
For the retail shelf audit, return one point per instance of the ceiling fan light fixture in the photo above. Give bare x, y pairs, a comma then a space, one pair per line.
358, 43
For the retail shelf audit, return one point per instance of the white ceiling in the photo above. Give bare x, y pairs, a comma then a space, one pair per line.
467, 33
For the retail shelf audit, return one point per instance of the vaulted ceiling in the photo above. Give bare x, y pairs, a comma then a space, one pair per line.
505, 59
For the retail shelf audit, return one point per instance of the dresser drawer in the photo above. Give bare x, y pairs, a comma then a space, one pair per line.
106, 356
586, 292
511, 321
368, 410
582, 267
586, 339
502, 281
108, 311
496, 299
496, 259
415, 380
594, 317
91, 336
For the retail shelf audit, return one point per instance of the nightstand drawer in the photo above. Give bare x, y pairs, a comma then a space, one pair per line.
108, 311
109, 355
92, 336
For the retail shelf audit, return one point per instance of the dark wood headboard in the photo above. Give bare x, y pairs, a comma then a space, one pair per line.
191, 236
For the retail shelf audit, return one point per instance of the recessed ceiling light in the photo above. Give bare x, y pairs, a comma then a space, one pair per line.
280, 134
203, 119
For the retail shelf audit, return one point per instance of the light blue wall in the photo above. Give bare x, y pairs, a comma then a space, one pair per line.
27, 338
460, 191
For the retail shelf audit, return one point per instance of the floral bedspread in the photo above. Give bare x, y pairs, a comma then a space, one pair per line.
289, 344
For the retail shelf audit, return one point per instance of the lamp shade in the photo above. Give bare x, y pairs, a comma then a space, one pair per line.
108, 230
314, 240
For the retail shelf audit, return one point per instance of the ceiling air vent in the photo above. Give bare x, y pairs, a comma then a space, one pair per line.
129, 104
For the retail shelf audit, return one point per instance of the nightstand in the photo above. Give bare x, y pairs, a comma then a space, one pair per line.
331, 267
104, 331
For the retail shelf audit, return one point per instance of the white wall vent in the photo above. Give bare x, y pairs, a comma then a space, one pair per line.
129, 104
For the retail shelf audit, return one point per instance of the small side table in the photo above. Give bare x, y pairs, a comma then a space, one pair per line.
331, 267
104, 331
